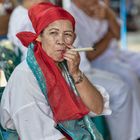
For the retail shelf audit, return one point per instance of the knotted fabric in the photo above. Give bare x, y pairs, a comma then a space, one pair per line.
41, 15
64, 103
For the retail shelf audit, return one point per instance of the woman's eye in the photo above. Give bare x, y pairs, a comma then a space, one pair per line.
53, 33
68, 35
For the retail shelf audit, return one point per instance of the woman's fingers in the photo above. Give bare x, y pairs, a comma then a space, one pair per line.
71, 55
73, 60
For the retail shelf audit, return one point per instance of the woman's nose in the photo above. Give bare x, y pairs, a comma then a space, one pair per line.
61, 39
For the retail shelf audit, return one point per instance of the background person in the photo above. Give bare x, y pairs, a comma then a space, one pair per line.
19, 21
97, 25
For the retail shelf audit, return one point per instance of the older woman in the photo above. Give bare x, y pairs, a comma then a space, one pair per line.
47, 96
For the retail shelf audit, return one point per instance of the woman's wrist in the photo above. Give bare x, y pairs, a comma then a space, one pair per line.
78, 77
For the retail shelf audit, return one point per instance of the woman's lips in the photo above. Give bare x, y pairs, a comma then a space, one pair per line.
61, 52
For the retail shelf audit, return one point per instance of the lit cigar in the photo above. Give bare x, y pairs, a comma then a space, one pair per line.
83, 49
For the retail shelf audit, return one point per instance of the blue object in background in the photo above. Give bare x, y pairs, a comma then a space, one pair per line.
3, 37
123, 16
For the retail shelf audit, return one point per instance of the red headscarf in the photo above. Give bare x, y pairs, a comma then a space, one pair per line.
41, 15
64, 103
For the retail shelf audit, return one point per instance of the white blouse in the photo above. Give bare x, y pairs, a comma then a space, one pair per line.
25, 108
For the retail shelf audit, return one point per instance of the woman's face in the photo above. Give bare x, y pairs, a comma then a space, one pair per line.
56, 38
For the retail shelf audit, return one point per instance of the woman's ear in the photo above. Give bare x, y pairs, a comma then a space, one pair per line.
38, 38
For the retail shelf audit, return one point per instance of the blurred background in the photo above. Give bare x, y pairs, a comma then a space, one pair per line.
128, 10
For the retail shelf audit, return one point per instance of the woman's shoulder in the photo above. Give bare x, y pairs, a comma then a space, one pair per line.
21, 74
22, 89
23, 67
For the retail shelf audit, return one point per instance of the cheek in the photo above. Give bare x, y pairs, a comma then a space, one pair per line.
48, 43
49, 49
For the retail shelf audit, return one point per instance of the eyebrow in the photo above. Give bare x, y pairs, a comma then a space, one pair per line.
58, 30
53, 29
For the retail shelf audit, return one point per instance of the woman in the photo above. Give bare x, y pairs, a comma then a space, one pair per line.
47, 96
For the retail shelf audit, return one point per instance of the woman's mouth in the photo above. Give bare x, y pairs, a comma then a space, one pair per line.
61, 52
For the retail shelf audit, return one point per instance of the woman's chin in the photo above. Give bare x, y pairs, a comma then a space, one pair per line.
59, 59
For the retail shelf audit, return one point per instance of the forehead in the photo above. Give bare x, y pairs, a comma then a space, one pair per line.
61, 24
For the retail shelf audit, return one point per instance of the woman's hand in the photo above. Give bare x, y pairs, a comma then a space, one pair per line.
73, 61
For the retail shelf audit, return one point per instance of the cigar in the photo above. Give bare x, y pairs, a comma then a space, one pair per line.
83, 49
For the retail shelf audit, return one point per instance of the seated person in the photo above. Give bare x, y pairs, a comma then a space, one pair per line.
47, 96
